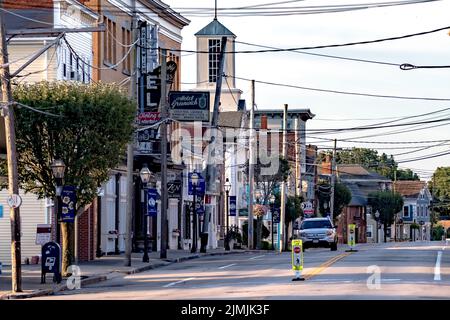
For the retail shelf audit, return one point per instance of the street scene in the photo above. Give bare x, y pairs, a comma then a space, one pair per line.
211, 150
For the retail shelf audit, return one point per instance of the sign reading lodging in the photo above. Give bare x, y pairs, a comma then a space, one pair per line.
43, 234
351, 235
189, 106
297, 255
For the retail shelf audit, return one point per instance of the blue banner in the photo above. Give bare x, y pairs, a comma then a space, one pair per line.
152, 207
276, 215
232, 206
201, 186
68, 206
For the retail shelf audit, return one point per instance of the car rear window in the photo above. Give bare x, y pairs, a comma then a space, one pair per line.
316, 224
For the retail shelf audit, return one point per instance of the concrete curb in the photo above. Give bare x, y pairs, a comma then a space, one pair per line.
100, 278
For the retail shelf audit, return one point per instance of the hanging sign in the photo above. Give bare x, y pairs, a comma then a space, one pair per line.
232, 206
152, 196
69, 200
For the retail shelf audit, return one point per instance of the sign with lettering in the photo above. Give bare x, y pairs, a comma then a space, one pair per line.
174, 189
146, 142
148, 118
43, 234
189, 106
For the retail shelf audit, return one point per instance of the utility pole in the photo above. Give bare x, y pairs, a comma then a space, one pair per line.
164, 233
333, 179
283, 184
130, 153
13, 183
251, 168
210, 168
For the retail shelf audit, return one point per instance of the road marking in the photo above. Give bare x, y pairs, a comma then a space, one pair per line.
177, 282
326, 264
437, 268
229, 265
252, 258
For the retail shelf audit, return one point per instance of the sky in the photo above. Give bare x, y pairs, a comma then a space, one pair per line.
338, 110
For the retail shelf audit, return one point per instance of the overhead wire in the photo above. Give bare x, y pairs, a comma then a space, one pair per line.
341, 92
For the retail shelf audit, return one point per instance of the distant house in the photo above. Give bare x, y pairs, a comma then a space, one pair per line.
361, 182
417, 200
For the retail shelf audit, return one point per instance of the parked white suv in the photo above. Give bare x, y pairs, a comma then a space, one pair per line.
318, 232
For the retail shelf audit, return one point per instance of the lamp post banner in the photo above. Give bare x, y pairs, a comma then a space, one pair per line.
69, 201
152, 196
232, 206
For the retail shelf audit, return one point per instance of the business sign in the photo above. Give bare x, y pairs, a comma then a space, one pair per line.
308, 209
152, 208
351, 235
174, 189
146, 142
189, 106
43, 234
201, 185
148, 118
232, 206
68, 206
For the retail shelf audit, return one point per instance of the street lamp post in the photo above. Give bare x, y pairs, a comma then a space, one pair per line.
377, 217
194, 179
272, 202
145, 175
58, 169
227, 191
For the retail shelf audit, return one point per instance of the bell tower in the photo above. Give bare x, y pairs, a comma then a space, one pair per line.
209, 40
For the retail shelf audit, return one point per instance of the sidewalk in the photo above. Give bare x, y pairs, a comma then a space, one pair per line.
98, 270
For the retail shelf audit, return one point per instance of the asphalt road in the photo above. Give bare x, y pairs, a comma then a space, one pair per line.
419, 270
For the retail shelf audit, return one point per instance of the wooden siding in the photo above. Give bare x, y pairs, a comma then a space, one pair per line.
31, 213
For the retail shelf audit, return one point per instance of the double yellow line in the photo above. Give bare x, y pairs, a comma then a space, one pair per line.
326, 264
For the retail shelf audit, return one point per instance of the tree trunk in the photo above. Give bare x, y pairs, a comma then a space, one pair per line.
384, 231
67, 246
258, 232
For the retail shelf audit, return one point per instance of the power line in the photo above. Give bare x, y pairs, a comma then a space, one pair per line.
323, 46
341, 92
386, 142
324, 55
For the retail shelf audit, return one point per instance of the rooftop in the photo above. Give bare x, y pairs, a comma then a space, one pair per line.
358, 172
215, 28
409, 188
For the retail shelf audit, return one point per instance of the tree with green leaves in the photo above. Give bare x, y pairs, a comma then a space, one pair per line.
342, 197
268, 176
89, 131
370, 159
439, 186
388, 204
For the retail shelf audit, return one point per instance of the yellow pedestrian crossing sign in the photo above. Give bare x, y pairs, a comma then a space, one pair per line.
297, 255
